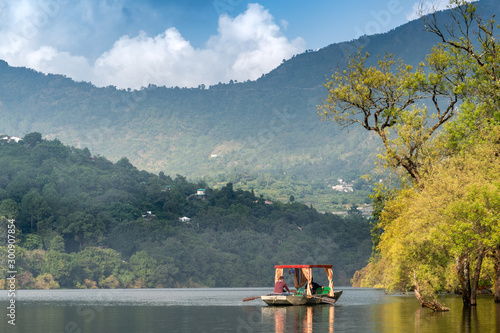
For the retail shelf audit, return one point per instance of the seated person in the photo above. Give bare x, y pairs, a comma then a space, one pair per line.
314, 286
280, 286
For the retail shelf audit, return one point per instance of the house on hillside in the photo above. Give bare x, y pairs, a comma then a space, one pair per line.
9, 139
343, 188
184, 219
148, 214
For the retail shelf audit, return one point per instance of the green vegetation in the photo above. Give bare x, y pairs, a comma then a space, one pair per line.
437, 225
85, 222
248, 134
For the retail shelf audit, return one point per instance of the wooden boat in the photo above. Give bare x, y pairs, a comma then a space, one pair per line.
304, 296
300, 299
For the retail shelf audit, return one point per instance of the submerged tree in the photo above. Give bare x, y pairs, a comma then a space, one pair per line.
476, 38
442, 233
390, 99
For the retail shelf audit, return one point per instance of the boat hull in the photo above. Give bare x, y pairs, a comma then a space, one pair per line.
298, 299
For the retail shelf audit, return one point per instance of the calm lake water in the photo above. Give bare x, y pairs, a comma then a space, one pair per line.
222, 310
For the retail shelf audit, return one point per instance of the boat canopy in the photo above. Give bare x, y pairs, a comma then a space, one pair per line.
303, 275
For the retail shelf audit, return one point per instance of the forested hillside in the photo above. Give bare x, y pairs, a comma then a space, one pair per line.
83, 221
226, 133
264, 134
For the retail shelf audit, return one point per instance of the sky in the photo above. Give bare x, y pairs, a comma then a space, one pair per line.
185, 43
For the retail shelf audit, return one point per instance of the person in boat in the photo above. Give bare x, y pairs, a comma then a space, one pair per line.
280, 286
314, 286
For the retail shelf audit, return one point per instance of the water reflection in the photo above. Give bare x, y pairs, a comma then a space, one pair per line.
302, 319
404, 314
222, 310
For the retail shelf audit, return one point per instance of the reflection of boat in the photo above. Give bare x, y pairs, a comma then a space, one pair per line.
303, 319
302, 296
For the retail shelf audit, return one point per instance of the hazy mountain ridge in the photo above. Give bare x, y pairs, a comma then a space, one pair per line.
264, 126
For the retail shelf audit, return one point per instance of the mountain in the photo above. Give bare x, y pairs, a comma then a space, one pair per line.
82, 221
263, 134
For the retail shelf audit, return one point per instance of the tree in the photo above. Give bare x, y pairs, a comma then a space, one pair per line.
61, 266
97, 264
477, 41
85, 228
9, 209
33, 242
143, 266
46, 281
476, 38
56, 244
354, 210
437, 237
32, 139
109, 283
26, 280
383, 99
35, 207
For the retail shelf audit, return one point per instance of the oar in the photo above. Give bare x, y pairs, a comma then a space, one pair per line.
250, 298
324, 299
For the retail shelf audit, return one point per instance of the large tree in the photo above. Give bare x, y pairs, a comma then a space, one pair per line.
391, 98
436, 235
477, 39
442, 233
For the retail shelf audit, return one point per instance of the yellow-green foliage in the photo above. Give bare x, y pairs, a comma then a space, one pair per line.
389, 99
46, 281
455, 213
110, 282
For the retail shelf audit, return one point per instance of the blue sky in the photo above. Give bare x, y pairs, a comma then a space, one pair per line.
131, 43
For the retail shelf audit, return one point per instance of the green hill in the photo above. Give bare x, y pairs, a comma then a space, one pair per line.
83, 221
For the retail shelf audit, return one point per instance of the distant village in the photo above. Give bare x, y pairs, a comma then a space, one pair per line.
365, 210
343, 186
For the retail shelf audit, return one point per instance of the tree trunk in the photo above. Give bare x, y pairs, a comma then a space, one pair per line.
434, 306
477, 273
463, 269
496, 255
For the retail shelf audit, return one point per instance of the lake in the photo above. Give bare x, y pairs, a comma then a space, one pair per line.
222, 310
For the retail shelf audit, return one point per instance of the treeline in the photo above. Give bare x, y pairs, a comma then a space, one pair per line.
85, 222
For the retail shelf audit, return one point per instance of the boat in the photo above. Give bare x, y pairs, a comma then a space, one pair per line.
304, 296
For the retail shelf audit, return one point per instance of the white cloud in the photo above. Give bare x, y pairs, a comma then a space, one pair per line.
284, 24
136, 62
244, 48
